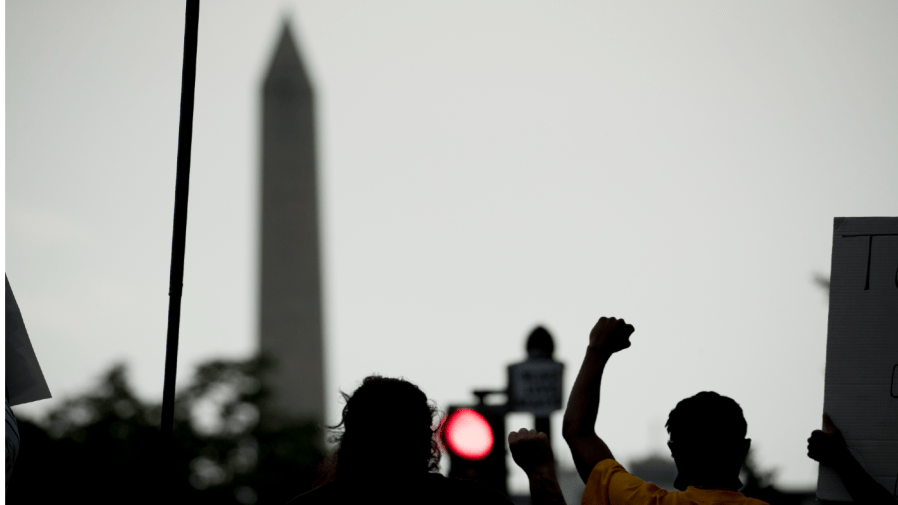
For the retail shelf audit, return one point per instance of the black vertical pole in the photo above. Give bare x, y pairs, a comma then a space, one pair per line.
182, 185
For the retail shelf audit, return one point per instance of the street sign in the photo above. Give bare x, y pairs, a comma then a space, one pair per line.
535, 386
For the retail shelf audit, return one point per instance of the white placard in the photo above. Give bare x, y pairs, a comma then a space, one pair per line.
861, 388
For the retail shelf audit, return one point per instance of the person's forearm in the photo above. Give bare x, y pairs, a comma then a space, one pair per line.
860, 485
544, 488
583, 404
608, 336
579, 427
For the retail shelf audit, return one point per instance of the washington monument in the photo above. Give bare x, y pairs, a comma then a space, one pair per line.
290, 322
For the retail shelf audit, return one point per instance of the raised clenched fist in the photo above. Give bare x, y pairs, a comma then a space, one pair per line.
610, 335
531, 450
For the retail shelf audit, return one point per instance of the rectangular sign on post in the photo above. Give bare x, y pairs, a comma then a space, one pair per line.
535, 386
861, 388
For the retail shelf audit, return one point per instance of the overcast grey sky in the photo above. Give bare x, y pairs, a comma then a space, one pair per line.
485, 167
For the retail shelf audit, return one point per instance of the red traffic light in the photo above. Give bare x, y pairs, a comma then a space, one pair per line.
468, 434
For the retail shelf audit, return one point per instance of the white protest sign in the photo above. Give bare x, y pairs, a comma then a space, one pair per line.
861, 388
535, 386
24, 379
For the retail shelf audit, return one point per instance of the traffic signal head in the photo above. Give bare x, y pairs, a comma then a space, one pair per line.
468, 434
475, 440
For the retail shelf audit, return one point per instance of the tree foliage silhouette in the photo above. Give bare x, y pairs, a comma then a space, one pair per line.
103, 446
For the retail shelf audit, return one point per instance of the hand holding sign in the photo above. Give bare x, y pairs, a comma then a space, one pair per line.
610, 335
828, 446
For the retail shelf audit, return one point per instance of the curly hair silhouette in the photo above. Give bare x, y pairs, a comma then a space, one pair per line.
389, 421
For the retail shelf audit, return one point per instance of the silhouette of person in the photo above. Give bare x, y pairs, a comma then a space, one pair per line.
707, 442
828, 447
389, 450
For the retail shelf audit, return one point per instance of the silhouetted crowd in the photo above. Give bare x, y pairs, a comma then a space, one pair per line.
390, 437
388, 448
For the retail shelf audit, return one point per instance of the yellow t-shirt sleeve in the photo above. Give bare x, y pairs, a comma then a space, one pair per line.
609, 483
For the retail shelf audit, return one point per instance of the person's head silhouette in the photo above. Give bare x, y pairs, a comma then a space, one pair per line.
707, 441
389, 430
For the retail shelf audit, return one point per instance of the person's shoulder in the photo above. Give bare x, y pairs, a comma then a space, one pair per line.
610, 482
606, 468
696, 495
454, 490
609, 464
738, 498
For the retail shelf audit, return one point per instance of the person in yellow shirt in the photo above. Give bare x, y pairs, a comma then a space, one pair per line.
707, 442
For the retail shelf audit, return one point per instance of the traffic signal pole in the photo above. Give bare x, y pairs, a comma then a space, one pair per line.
495, 471
179, 237
534, 386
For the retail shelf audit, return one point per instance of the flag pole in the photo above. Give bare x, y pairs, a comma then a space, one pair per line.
179, 235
